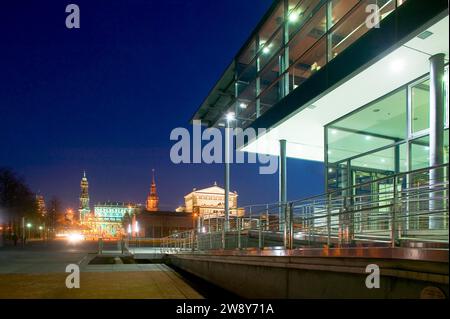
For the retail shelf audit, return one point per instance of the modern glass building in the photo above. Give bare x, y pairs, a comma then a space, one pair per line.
370, 101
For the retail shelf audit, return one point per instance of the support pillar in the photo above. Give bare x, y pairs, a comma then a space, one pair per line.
436, 153
283, 184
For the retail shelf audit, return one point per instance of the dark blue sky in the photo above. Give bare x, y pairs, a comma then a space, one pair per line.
105, 97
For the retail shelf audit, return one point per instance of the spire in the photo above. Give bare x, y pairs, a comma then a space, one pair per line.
152, 198
84, 173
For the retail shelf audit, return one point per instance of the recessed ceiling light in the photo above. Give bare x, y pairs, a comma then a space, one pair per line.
425, 34
397, 65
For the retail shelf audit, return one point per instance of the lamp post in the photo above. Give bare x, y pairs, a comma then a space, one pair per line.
29, 230
229, 118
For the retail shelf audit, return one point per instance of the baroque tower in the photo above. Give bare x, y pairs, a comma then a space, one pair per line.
152, 198
84, 198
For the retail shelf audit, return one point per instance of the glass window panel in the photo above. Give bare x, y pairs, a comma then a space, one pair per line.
246, 91
382, 161
271, 96
340, 8
246, 113
249, 74
268, 49
272, 23
379, 124
351, 28
270, 73
420, 106
420, 153
246, 57
300, 14
311, 62
310, 33
446, 94
446, 146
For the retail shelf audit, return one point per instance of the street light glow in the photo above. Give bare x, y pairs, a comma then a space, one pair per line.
231, 117
29, 225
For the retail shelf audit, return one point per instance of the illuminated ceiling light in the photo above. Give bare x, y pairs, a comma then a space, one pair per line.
243, 105
266, 50
334, 132
383, 160
330, 170
425, 34
368, 138
230, 117
397, 65
293, 17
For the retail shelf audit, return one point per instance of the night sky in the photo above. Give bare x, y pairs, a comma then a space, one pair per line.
105, 97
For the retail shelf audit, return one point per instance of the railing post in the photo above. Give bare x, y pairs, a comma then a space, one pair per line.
329, 220
290, 225
286, 226
260, 243
223, 237
393, 215
267, 217
238, 225
100, 245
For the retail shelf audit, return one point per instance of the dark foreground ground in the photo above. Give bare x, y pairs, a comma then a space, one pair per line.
38, 271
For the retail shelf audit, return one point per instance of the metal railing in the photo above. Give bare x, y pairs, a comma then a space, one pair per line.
405, 210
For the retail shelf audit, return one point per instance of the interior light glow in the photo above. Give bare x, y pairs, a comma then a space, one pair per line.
293, 17
397, 65
243, 105
368, 138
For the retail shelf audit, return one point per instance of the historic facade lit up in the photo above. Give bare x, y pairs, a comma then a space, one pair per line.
209, 202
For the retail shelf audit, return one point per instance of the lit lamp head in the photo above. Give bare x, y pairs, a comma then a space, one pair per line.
293, 17
29, 225
230, 116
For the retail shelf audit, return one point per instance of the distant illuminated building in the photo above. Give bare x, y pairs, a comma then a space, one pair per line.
152, 198
210, 202
108, 218
40, 202
84, 209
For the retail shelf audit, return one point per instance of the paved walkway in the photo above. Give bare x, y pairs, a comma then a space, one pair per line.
38, 271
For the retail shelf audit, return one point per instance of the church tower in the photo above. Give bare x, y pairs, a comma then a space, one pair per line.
84, 198
152, 198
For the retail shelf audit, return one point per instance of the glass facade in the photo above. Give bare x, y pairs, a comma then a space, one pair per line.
386, 137
297, 39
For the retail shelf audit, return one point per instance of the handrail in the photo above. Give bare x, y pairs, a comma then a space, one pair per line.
396, 215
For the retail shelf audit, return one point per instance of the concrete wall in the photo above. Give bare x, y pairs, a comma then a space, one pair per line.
317, 277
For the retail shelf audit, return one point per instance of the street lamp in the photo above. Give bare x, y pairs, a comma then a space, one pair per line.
29, 230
